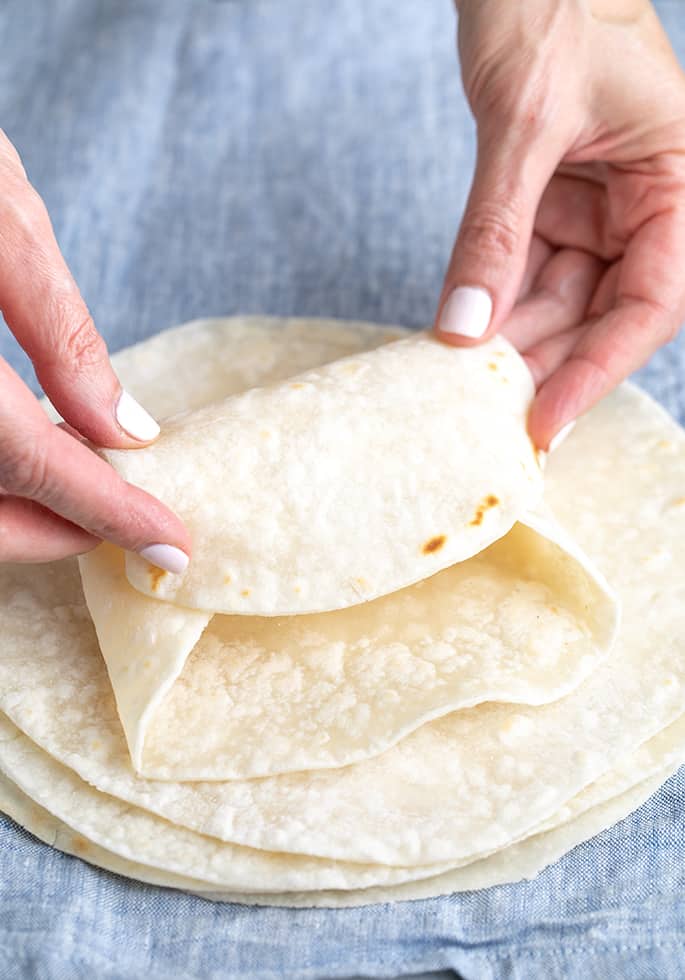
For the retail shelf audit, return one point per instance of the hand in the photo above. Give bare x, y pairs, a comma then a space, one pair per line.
58, 498
573, 239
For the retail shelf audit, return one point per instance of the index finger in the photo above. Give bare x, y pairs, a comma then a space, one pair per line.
46, 313
42, 462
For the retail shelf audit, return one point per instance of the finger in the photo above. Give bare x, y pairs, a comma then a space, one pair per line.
46, 313
42, 462
558, 300
30, 533
71, 431
573, 214
488, 261
539, 254
547, 356
650, 307
605, 294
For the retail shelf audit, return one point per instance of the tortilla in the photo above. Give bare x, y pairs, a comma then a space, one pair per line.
468, 783
525, 621
479, 780
342, 457
134, 834
523, 860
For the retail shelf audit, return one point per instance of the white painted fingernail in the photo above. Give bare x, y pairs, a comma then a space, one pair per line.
467, 312
167, 557
561, 435
134, 420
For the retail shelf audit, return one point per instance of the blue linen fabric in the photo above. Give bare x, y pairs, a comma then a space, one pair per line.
203, 158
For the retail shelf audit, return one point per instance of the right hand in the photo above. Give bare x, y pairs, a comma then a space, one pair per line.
573, 238
57, 497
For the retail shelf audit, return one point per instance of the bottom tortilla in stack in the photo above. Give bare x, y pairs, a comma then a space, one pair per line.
486, 794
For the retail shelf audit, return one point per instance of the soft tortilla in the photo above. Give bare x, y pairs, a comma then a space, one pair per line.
384, 467
523, 860
471, 782
134, 834
523, 622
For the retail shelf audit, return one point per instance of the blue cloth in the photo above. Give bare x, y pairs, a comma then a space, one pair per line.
292, 158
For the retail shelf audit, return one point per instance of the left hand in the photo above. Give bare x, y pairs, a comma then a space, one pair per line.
573, 240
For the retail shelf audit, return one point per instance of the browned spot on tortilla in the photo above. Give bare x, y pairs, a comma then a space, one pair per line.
434, 544
499, 353
664, 444
245, 592
680, 502
297, 385
81, 845
156, 576
227, 579
492, 366
490, 501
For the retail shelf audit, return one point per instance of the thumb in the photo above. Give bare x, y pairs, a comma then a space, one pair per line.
490, 254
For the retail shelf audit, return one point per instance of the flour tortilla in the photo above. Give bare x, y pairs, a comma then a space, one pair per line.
134, 834
525, 621
469, 783
344, 483
523, 860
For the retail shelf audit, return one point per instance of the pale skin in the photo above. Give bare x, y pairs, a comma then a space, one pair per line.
573, 240
575, 225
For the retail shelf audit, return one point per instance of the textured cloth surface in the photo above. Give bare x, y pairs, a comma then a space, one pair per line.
203, 158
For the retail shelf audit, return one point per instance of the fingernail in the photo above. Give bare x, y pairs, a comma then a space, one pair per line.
467, 312
167, 557
563, 432
134, 420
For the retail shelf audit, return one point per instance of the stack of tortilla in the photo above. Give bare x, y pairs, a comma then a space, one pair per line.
410, 655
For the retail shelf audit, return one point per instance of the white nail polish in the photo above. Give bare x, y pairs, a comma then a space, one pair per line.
563, 432
167, 557
467, 312
134, 420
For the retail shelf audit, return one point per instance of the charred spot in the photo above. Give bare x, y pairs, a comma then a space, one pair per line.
297, 385
227, 579
156, 576
245, 592
492, 366
434, 544
490, 501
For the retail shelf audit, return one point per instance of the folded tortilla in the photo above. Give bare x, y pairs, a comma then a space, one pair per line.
480, 780
525, 621
329, 492
344, 483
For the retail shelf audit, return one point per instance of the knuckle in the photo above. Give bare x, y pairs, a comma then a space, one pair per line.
78, 340
24, 469
491, 232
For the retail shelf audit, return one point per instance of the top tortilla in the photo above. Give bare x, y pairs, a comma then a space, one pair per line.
345, 483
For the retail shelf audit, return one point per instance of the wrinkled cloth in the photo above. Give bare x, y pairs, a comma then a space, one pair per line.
204, 158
